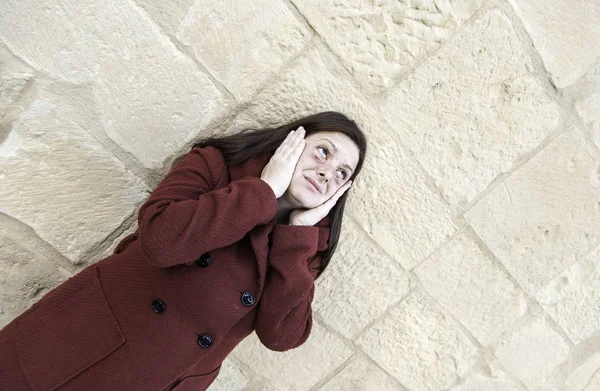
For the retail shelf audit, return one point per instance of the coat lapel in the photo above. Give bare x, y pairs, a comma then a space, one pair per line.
259, 235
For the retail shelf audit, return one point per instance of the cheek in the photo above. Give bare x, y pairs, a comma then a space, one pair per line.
331, 191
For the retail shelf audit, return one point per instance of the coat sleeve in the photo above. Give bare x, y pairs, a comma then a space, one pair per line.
186, 217
284, 319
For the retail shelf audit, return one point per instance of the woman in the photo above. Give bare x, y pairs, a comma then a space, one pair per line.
230, 242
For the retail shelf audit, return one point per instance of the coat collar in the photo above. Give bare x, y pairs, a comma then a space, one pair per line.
251, 167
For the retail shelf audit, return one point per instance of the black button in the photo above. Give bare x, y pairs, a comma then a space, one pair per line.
248, 299
205, 340
204, 260
159, 306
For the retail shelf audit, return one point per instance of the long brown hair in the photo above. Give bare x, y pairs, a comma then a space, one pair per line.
250, 143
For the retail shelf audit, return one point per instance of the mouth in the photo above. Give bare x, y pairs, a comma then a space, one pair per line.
313, 185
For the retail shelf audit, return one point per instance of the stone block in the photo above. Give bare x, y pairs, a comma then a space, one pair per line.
231, 378
168, 14
378, 41
25, 277
495, 381
11, 88
417, 344
583, 375
566, 33
545, 214
296, 369
573, 298
587, 105
372, 282
16, 81
150, 95
471, 287
243, 43
472, 110
532, 352
361, 375
62, 183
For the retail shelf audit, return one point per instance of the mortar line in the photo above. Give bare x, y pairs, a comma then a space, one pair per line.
28, 238
501, 178
333, 373
526, 41
359, 353
184, 49
596, 372
325, 45
485, 7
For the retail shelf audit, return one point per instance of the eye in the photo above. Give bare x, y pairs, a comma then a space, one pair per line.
344, 174
323, 149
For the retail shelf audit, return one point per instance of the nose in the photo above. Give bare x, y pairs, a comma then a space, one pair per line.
325, 174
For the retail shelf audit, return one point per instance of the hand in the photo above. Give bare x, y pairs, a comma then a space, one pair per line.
314, 215
278, 172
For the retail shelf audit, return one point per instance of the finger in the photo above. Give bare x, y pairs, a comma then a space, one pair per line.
296, 153
296, 146
343, 189
296, 137
281, 150
340, 192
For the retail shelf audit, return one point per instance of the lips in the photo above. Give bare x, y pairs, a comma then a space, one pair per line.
314, 184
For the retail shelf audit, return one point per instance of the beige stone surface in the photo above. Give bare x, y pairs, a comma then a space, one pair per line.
57, 179
296, 369
110, 250
532, 352
472, 110
468, 257
233, 377
380, 40
417, 344
573, 298
588, 110
583, 374
362, 375
594, 383
588, 104
545, 215
146, 89
12, 87
566, 33
361, 283
401, 213
168, 14
471, 287
495, 381
25, 277
242, 43
16, 85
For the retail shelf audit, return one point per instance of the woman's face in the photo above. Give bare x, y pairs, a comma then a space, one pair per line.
329, 160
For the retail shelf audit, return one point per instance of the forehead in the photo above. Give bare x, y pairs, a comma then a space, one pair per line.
347, 150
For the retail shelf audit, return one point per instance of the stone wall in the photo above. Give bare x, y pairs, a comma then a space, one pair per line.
470, 256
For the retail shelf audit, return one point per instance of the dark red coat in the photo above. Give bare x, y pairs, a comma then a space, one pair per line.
207, 266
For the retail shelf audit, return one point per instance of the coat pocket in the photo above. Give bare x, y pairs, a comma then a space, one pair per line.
59, 339
196, 382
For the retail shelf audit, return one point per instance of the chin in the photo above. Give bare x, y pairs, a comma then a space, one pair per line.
304, 200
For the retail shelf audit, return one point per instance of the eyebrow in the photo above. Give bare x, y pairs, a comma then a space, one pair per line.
335, 150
